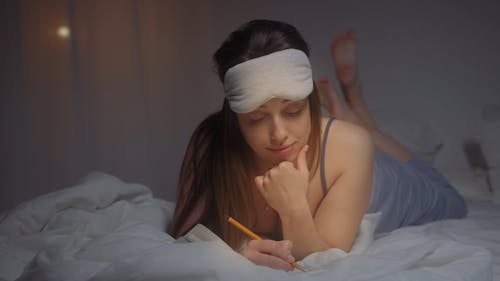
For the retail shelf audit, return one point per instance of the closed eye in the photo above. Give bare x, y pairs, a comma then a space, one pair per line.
256, 117
295, 109
294, 112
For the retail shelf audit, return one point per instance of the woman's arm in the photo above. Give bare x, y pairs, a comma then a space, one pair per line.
336, 221
339, 214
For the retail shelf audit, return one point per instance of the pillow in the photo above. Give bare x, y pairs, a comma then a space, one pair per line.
471, 185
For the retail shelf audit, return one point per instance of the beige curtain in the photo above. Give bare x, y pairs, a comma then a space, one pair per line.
91, 85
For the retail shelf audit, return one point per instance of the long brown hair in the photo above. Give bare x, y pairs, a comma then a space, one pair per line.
214, 173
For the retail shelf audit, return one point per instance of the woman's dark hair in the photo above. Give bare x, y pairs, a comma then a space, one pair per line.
255, 39
214, 179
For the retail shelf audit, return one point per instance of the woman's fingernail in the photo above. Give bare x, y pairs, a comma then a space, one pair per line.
290, 258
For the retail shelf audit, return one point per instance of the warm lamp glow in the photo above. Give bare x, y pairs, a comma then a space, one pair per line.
63, 32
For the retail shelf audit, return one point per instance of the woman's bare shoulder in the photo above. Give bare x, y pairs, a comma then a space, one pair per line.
345, 142
346, 134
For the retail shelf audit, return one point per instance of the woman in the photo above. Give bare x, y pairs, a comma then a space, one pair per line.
269, 159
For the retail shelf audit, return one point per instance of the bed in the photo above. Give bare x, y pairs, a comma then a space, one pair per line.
106, 229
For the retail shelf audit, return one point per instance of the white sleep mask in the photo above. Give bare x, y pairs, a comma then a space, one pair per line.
284, 74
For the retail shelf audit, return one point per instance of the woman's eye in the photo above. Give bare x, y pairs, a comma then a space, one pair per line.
256, 118
295, 109
294, 112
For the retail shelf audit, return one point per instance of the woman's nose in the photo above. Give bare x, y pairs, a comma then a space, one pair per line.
278, 132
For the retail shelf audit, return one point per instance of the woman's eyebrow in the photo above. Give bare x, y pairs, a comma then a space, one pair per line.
294, 101
264, 105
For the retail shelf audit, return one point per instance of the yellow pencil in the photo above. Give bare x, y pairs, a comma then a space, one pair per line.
254, 236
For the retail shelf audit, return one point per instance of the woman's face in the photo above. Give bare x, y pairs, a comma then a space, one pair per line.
277, 130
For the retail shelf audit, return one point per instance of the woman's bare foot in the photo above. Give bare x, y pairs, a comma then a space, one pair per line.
334, 104
337, 108
343, 49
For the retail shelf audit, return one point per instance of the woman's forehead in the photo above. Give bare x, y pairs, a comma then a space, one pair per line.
280, 101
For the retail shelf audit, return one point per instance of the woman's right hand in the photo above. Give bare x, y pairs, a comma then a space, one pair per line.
274, 254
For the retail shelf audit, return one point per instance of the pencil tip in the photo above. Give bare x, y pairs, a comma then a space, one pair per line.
227, 217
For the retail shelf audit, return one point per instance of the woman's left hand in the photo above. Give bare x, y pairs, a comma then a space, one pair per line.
285, 185
274, 254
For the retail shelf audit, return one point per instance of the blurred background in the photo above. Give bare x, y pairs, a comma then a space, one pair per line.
118, 86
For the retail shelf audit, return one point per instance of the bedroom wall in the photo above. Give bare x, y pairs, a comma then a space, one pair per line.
128, 107
428, 61
115, 96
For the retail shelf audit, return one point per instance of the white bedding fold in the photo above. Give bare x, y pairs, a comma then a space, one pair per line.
105, 229
57, 226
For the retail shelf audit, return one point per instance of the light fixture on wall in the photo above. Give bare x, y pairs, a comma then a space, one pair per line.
63, 32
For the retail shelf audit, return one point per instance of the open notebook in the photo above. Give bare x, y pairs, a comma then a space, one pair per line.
199, 233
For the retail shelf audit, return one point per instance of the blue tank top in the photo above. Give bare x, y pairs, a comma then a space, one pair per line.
322, 156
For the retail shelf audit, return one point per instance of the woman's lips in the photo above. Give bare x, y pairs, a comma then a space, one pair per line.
283, 150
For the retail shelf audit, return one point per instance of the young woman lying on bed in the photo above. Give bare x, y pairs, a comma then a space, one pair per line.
269, 159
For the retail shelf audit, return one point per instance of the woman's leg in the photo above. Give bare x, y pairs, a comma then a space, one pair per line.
343, 51
354, 108
415, 189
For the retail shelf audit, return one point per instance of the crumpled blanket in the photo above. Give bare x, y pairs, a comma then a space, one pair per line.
106, 229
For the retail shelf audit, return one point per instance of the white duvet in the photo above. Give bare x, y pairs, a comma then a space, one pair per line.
105, 229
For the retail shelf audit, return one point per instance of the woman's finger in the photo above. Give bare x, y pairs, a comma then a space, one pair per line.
281, 249
269, 261
274, 254
301, 161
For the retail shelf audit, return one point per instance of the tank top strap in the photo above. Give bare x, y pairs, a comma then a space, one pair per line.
322, 156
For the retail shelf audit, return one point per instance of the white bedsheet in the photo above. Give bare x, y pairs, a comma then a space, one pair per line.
105, 229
